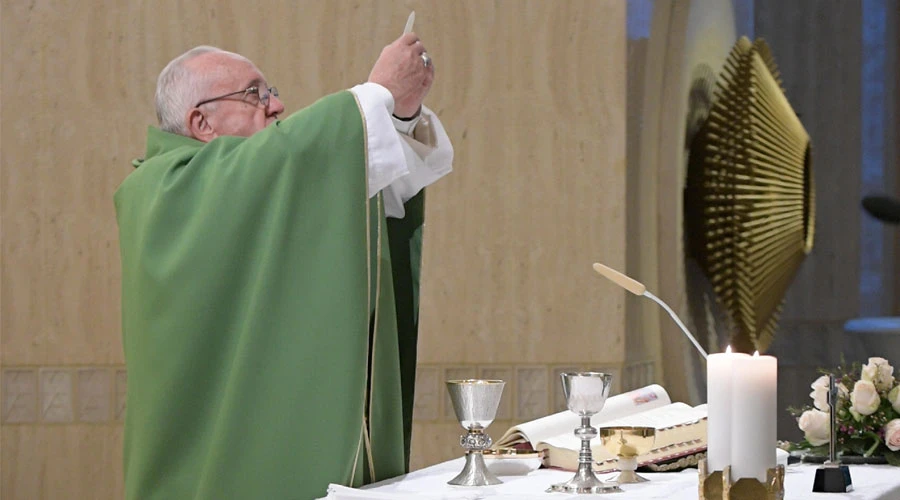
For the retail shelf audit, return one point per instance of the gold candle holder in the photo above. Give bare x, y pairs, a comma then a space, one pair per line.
718, 485
710, 483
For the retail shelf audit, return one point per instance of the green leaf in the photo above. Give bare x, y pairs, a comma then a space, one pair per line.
855, 446
876, 440
804, 445
796, 412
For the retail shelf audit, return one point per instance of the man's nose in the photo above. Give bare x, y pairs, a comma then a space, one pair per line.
276, 107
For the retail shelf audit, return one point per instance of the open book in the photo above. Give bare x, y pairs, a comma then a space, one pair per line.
680, 430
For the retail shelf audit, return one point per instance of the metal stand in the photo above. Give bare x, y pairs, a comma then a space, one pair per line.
832, 477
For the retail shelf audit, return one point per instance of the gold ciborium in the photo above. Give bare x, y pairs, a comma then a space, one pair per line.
627, 443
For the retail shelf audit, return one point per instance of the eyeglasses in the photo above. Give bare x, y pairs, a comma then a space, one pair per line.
262, 93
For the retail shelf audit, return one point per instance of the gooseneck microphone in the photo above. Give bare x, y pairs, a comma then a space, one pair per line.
638, 288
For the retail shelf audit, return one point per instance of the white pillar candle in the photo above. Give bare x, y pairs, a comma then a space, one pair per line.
718, 398
754, 401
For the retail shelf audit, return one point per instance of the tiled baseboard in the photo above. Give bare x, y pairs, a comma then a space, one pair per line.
63, 394
95, 394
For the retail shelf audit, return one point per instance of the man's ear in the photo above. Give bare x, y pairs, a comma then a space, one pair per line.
199, 126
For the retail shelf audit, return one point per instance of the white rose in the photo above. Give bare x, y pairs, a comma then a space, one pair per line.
894, 398
892, 435
819, 393
864, 398
879, 372
815, 425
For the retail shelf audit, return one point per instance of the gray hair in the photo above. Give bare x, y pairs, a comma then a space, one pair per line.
178, 88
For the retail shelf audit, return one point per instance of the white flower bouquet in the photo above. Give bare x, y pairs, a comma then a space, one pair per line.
867, 413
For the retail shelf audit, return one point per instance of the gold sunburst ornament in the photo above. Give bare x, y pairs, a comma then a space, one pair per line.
750, 208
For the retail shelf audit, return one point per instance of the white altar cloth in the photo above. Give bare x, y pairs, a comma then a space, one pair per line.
870, 482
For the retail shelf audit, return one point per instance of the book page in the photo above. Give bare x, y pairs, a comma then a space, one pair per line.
663, 417
660, 418
618, 406
680, 429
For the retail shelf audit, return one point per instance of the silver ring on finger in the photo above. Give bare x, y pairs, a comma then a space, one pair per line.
426, 59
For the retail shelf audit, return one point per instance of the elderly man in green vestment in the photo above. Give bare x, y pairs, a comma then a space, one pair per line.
270, 280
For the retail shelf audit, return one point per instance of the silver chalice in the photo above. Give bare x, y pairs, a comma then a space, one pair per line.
586, 393
475, 403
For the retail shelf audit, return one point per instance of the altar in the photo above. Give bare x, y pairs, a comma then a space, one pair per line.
870, 482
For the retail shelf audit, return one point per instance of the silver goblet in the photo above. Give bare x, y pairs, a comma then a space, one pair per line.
586, 393
475, 403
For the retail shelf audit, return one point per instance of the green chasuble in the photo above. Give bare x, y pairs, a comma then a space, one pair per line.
259, 316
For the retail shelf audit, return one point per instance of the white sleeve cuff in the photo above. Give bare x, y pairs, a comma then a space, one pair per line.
406, 127
385, 155
426, 164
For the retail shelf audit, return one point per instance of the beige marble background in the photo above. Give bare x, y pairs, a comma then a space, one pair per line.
532, 94
536, 98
